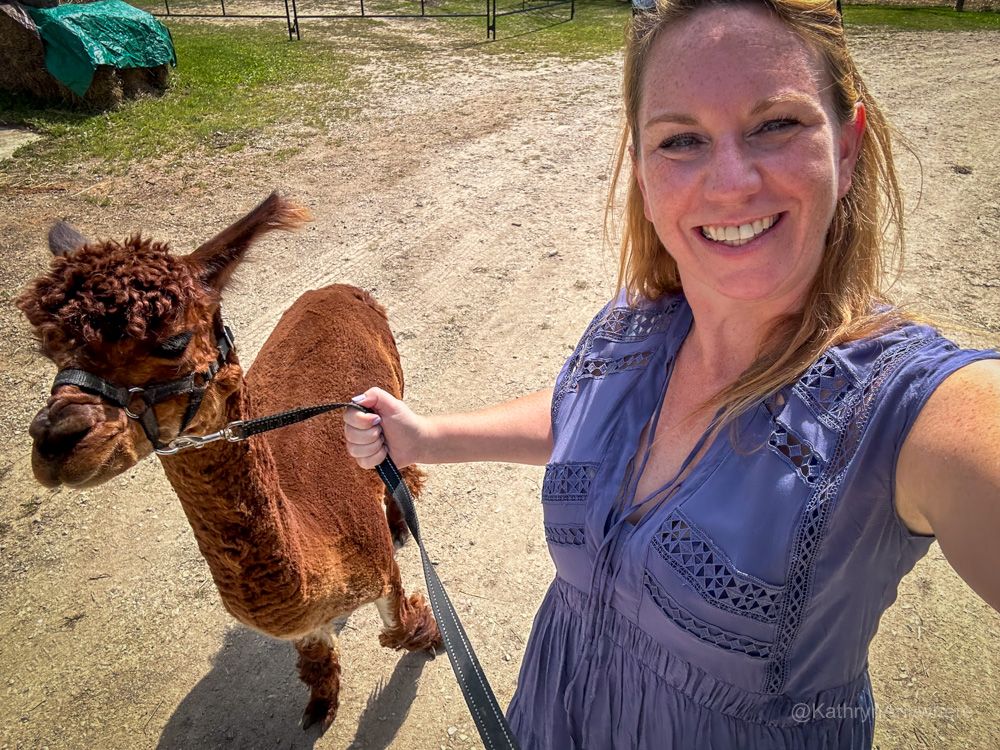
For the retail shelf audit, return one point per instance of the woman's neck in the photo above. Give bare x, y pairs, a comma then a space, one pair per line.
727, 337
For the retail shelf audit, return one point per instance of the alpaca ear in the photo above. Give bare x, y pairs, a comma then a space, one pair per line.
217, 259
64, 239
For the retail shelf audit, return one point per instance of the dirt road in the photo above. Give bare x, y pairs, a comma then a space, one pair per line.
471, 205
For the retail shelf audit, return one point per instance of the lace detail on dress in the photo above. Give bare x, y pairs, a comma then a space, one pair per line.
797, 451
855, 406
565, 535
825, 388
565, 483
686, 549
621, 324
703, 630
597, 368
630, 324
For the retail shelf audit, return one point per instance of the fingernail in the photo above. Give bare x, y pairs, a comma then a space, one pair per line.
377, 420
358, 399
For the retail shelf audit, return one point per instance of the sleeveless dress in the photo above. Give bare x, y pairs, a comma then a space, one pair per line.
738, 611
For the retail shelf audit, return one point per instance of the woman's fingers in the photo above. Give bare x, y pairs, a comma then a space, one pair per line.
372, 460
363, 436
389, 423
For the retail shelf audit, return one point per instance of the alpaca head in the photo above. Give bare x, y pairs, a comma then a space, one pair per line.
133, 314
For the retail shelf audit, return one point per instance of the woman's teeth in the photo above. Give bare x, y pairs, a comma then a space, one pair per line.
741, 235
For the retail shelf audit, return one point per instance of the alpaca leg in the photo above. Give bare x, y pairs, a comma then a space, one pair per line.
409, 623
319, 668
414, 479
397, 525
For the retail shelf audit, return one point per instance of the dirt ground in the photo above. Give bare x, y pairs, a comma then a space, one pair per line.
471, 205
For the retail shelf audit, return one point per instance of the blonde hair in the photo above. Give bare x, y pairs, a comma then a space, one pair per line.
866, 231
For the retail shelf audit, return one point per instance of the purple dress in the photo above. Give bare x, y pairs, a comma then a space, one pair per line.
738, 611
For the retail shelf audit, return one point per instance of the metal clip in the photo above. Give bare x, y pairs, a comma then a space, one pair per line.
230, 433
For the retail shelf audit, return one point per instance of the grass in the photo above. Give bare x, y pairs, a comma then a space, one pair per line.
920, 18
236, 85
231, 84
597, 29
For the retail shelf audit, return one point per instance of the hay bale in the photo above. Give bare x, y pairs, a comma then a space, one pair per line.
22, 57
22, 68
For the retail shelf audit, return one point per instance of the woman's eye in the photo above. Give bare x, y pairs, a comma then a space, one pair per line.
679, 142
173, 347
777, 126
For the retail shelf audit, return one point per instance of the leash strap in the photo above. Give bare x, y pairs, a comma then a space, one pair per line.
243, 430
490, 721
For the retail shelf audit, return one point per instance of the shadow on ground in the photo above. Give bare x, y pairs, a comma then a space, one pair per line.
252, 698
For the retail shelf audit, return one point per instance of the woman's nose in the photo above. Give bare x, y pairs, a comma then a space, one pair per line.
733, 174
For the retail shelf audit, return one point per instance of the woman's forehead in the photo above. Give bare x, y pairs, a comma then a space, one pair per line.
728, 54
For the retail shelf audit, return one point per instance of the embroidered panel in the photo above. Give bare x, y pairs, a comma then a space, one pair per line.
703, 630
856, 409
825, 388
597, 368
621, 324
797, 451
630, 324
566, 483
564, 535
686, 549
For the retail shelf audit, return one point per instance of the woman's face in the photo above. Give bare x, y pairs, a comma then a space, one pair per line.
740, 158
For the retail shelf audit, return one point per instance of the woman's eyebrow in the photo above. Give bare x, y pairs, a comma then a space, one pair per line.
773, 101
675, 117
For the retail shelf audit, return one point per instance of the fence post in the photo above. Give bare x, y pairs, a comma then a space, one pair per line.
959, 4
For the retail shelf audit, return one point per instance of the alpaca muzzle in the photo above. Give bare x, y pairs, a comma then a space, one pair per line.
59, 427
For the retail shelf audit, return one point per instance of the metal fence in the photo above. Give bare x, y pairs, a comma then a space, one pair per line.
408, 9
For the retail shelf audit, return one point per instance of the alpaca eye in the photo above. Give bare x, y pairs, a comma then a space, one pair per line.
173, 347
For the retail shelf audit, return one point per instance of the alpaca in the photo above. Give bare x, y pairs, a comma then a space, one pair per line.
294, 532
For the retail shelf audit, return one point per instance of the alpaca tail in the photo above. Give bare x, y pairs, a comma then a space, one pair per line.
414, 478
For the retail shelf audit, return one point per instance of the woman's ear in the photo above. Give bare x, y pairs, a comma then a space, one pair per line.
851, 136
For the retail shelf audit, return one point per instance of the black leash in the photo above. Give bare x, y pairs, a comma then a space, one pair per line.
490, 721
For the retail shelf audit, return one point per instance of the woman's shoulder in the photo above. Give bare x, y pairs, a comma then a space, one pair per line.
896, 367
901, 345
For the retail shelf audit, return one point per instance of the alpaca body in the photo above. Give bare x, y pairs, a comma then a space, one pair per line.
283, 517
297, 536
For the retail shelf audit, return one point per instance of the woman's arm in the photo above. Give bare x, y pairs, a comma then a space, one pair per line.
948, 475
518, 431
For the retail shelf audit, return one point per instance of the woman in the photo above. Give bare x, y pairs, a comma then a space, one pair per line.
749, 448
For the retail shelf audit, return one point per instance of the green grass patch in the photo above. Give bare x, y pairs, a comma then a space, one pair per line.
230, 83
920, 19
597, 29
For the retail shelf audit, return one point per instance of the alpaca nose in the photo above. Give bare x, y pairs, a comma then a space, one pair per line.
57, 429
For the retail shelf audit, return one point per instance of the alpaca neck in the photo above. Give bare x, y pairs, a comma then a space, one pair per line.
232, 498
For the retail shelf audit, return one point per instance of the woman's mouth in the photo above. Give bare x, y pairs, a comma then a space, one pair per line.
735, 236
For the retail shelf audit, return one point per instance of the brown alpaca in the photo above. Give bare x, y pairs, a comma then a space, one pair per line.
294, 532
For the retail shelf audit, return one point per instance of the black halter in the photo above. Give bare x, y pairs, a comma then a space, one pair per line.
137, 402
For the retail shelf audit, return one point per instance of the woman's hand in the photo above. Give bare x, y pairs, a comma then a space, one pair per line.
393, 427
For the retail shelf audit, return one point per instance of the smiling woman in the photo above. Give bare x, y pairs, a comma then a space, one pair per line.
719, 587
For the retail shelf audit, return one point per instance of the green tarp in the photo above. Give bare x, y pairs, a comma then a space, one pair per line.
78, 38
